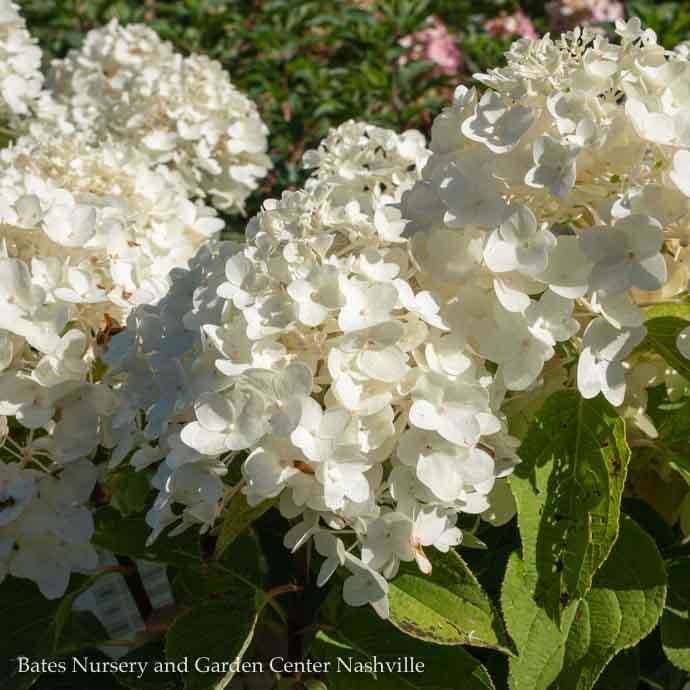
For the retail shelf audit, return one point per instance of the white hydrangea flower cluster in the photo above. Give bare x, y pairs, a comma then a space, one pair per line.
45, 526
182, 111
86, 235
97, 225
158, 366
21, 79
95, 212
356, 353
563, 191
329, 348
682, 49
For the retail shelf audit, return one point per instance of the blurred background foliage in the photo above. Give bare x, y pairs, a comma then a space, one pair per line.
311, 64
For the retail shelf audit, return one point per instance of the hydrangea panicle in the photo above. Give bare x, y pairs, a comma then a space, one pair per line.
21, 79
87, 234
184, 112
568, 181
323, 352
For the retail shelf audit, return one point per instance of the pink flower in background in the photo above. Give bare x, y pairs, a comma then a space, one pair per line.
507, 25
567, 14
434, 43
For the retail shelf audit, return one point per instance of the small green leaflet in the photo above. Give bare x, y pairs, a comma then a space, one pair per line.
672, 421
238, 516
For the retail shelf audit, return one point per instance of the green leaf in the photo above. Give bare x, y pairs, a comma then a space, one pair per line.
568, 490
661, 337
152, 653
675, 623
650, 521
218, 630
241, 562
667, 309
672, 421
130, 489
26, 630
539, 641
623, 607
589, 645
33, 626
521, 409
447, 607
237, 517
6, 137
126, 536
360, 636
81, 630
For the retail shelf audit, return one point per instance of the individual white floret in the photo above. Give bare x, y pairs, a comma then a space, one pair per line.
554, 166
600, 367
626, 255
519, 244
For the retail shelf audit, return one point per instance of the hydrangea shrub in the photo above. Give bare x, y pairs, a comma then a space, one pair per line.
435, 402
